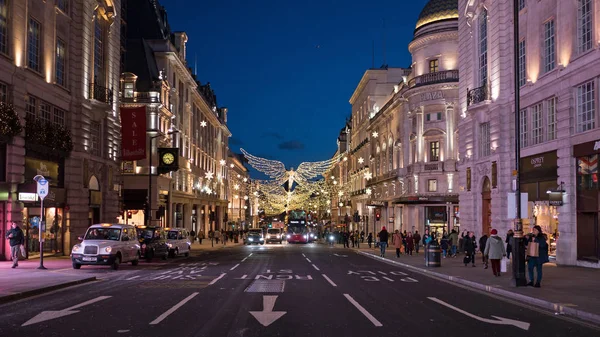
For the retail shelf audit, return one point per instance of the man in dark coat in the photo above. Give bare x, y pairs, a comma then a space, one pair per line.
16, 239
482, 242
470, 246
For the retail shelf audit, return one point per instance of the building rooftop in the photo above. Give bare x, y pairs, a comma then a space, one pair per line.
437, 10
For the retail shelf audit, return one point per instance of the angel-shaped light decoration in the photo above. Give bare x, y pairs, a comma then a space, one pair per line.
276, 170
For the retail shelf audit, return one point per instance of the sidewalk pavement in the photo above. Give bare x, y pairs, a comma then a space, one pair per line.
571, 291
26, 280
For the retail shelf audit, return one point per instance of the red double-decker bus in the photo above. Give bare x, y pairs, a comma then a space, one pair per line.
298, 230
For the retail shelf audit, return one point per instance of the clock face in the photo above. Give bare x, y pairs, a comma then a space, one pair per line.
168, 158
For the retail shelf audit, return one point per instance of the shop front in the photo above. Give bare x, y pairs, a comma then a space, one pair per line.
438, 214
588, 201
538, 177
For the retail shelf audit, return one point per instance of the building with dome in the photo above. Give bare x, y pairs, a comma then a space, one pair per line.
403, 144
559, 127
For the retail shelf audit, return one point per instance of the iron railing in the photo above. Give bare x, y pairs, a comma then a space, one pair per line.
477, 95
101, 93
433, 78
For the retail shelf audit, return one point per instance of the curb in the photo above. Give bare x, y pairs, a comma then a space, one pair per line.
555, 307
43, 290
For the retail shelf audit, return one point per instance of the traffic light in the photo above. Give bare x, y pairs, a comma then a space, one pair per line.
270, 225
129, 214
377, 216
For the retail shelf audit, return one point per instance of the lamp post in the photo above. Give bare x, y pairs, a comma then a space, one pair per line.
149, 215
518, 242
42, 191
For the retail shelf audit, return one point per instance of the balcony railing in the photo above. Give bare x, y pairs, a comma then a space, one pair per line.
433, 78
140, 97
477, 95
101, 93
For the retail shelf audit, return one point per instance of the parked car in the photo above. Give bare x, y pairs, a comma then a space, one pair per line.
153, 242
274, 235
178, 240
107, 244
255, 236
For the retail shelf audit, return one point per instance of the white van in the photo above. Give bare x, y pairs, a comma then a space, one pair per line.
107, 244
178, 240
274, 235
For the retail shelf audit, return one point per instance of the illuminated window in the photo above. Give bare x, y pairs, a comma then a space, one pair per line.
61, 53
549, 46
522, 64
483, 48
432, 185
433, 66
537, 130
4, 26
551, 115
586, 107
434, 151
128, 90
484, 139
584, 25
34, 33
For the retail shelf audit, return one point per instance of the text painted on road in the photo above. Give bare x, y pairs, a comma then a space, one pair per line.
377, 276
276, 277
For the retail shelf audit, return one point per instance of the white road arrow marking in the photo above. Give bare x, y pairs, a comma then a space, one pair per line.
50, 315
497, 320
267, 316
340, 255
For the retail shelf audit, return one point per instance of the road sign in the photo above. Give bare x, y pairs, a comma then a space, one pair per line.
42, 188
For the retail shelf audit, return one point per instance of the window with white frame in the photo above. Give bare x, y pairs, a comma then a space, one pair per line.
59, 116
549, 46
522, 64
432, 185
537, 128
483, 48
584, 25
60, 62
95, 138
485, 141
522, 4
551, 118
434, 66
34, 45
4, 26
45, 112
434, 151
586, 109
31, 107
523, 125
433, 117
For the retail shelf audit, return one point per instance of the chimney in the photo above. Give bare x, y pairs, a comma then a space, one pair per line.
181, 39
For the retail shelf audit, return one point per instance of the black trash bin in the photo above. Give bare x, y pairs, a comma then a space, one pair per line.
433, 255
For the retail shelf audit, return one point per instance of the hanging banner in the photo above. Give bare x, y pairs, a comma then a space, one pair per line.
133, 133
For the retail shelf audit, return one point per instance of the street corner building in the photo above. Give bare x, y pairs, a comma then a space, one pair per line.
402, 137
558, 119
59, 118
170, 120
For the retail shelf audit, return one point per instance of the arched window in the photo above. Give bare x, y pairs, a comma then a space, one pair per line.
390, 156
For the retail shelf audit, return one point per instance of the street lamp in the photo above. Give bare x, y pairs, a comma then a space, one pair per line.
518, 244
149, 215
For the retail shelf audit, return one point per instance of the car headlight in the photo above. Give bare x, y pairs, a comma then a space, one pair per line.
169, 245
288, 236
76, 249
250, 239
108, 249
331, 237
305, 236
261, 239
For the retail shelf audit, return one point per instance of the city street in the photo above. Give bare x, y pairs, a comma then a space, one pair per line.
274, 290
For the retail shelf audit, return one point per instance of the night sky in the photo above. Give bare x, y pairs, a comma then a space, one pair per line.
286, 69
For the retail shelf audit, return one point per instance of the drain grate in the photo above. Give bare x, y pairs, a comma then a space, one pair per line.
266, 286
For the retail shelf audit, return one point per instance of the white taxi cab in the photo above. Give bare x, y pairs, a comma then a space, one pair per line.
107, 244
178, 240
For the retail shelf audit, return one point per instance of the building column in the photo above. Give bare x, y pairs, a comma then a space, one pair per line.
187, 216
419, 131
449, 148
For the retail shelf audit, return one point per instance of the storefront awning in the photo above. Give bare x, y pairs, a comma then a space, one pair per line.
427, 199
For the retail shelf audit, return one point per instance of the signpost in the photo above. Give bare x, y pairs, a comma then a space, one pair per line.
42, 191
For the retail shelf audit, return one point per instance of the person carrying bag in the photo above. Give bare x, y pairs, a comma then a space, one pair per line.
16, 242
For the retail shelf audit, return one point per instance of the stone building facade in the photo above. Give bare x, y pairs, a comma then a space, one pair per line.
60, 62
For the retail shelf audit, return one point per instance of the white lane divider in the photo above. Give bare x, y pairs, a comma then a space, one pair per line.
133, 278
309, 261
217, 279
244, 259
232, 268
303, 255
387, 278
329, 280
173, 309
363, 311
315, 267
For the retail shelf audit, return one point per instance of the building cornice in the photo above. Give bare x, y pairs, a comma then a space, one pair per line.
432, 38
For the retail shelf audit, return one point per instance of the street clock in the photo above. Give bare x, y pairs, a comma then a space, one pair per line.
168, 160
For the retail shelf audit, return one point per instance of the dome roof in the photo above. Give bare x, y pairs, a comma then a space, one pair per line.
438, 10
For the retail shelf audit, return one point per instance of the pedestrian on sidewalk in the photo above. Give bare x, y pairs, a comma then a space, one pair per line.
397, 242
370, 239
410, 243
461, 241
470, 247
345, 238
352, 238
539, 238
444, 246
357, 239
200, 237
16, 239
383, 240
453, 242
509, 235
482, 243
362, 236
417, 241
494, 250
192, 236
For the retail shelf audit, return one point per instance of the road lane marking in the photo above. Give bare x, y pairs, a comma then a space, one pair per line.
329, 280
303, 255
49, 315
173, 309
234, 266
267, 316
133, 278
217, 279
309, 261
315, 267
497, 320
244, 259
250, 254
363, 311
387, 278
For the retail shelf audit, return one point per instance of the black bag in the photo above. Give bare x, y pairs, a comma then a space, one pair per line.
467, 259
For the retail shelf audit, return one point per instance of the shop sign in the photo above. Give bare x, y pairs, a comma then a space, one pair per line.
128, 167
555, 198
48, 169
586, 149
28, 197
133, 133
539, 167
